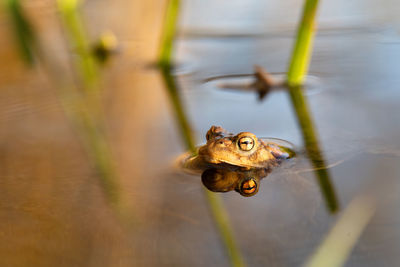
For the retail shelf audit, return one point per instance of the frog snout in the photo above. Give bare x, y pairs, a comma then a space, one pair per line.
223, 142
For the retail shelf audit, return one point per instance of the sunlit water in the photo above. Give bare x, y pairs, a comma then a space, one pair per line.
53, 211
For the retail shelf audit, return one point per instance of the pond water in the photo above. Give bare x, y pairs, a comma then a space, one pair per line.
53, 211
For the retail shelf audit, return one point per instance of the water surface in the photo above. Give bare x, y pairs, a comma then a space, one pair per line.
53, 210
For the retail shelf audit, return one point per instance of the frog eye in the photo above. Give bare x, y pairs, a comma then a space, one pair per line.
246, 143
248, 187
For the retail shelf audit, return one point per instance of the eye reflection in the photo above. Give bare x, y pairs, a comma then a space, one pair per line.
248, 187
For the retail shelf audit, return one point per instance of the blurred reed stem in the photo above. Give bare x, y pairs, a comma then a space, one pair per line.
168, 33
95, 144
82, 102
298, 68
214, 201
23, 30
85, 62
341, 239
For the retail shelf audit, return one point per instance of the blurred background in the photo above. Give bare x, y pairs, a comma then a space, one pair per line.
88, 144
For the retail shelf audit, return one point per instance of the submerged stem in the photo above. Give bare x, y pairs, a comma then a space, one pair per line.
222, 222
179, 111
218, 212
313, 150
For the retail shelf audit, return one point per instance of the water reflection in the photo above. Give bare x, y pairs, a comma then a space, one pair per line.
314, 153
263, 84
246, 183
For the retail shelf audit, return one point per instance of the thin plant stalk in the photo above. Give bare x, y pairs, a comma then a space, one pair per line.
82, 102
98, 150
180, 115
85, 62
214, 201
302, 49
23, 31
82, 108
298, 68
313, 150
221, 219
168, 33
342, 238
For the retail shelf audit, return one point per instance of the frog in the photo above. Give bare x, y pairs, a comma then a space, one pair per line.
243, 151
235, 162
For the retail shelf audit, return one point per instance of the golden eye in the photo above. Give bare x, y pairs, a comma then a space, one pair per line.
246, 143
248, 187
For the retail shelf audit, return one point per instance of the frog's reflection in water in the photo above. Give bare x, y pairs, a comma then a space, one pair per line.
245, 182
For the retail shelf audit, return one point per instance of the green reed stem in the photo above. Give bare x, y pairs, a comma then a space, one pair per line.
218, 211
86, 64
313, 150
168, 33
82, 102
298, 68
301, 53
95, 143
183, 123
223, 224
23, 31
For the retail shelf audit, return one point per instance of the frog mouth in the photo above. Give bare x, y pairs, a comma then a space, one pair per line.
214, 160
